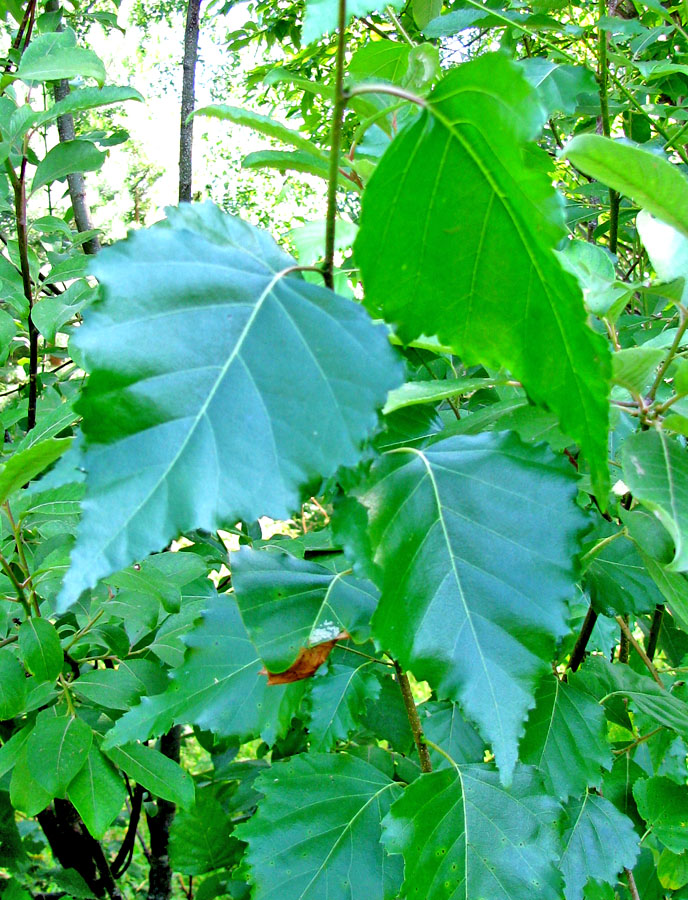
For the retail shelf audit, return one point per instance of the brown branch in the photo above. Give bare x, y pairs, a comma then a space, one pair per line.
193, 15
414, 719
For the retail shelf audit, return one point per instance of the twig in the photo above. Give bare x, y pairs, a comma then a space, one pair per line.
639, 650
414, 718
578, 653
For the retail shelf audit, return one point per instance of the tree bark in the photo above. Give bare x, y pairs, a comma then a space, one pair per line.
188, 99
75, 182
160, 875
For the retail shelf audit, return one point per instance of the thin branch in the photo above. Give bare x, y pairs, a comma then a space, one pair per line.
639, 650
632, 887
578, 652
414, 718
335, 149
655, 630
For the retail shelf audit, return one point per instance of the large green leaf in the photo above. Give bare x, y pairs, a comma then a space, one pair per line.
599, 842
617, 578
87, 98
566, 738
221, 666
649, 179
53, 56
465, 837
98, 793
460, 215
664, 806
473, 541
655, 468
560, 86
289, 603
283, 378
317, 831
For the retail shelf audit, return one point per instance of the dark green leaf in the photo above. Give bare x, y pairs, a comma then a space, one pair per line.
473, 541
338, 701
317, 831
221, 665
12, 686
40, 648
161, 776
566, 738
460, 214
199, 837
464, 836
57, 750
599, 842
98, 793
443, 724
151, 396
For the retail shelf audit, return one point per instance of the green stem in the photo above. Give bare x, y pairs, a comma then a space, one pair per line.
400, 28
602, 543
385, 89
441, 752
16, 531
21, 596
413, 718
335, 149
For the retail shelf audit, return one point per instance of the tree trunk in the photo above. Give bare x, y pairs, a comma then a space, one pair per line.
75, 182
188, 89
160, 875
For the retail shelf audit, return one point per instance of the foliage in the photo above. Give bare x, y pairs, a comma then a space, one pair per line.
384, 520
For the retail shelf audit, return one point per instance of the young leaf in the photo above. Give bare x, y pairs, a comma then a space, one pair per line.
263, 125
12, 686
338, 701
317, 831
309, 365
161, 776
664, 806
648, 179
415, 392
40, 648
566, 738
655, 468
53, 56
57, 750
288, 603
464, 836
599, 842
459, 214
473, 539
27, 463
607, 682
98, 793
87, 98
221, 665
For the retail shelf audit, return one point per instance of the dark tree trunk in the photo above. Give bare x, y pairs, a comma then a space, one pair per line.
160, 875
